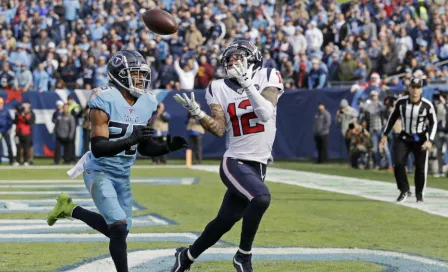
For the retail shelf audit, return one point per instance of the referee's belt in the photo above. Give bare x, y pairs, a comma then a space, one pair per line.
413, 138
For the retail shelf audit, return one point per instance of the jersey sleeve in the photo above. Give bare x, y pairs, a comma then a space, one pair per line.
100, 102
210, 96
275, 80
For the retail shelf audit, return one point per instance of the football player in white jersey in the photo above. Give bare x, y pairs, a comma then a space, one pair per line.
243, 105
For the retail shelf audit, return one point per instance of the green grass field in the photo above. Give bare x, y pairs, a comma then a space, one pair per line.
297, 217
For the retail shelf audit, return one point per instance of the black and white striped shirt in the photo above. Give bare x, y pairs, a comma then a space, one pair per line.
416, 118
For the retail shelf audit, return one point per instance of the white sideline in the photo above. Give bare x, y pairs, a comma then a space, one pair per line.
436, 200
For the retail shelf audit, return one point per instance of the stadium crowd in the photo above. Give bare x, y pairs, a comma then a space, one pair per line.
66, 43
47, 45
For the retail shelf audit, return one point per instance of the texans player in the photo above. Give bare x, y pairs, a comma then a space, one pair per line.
244, 105
120, 115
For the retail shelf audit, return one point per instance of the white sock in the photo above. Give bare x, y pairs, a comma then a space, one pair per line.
244, 252
189, 256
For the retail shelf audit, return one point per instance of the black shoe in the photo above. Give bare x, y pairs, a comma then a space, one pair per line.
420, 199
402, 197
242, 262
182, 262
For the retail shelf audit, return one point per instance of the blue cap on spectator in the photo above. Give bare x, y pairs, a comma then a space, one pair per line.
408, 70
422, 43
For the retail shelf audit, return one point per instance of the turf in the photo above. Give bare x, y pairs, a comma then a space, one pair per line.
288, 266
297, 217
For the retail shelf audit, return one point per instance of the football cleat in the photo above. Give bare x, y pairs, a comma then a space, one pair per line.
63, 209
420, 199
182, 262
242, 262
403, 195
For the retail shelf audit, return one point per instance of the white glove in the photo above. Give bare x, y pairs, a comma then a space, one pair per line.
190, 104
242, 73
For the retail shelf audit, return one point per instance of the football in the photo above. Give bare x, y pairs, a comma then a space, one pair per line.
159, 21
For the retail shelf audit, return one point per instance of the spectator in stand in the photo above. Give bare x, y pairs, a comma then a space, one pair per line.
360, 73
321, 129
69, 73
333, 68
7, 77
19, 57
314, 37
5, 131
205, 73
298, 41
101, 72
317, 78
24, 79
301, 76
347, 67
72, 8
41, 79
268, 62
187, 74
167, 72
193, 37
89, 74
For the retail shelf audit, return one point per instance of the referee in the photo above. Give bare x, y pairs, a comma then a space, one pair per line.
419, 124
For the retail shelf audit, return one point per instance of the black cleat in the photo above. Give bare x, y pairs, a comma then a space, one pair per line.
242, 262
402, 197
420, 199
182, 262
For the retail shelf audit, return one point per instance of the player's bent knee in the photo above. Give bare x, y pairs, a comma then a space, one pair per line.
262, 202
121, 222
118, 231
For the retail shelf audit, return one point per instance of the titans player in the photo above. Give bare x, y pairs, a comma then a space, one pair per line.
244, 105
120, 116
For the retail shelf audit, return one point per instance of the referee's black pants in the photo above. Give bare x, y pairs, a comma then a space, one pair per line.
402, 150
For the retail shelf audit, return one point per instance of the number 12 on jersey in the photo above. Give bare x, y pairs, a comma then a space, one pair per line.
245, 124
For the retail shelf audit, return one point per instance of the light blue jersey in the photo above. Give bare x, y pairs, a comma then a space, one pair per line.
122, 120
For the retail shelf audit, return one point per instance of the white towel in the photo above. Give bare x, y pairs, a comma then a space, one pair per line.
78, 169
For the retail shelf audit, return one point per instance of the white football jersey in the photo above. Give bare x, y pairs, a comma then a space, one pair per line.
249, 138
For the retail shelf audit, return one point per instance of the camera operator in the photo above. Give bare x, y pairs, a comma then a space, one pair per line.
345, 116
360, 145
441, 136
23, 121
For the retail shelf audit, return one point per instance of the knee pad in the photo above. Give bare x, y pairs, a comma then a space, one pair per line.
261, 202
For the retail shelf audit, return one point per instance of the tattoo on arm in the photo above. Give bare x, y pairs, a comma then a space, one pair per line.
270, 94
216, 123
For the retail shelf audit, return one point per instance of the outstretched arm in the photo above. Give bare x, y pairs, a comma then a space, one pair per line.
216, 123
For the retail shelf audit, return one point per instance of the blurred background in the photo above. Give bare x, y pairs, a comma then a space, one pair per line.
343, 63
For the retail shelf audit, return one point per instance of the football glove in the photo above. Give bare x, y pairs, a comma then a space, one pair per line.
190, 104
175, 143
242, 73
140, 133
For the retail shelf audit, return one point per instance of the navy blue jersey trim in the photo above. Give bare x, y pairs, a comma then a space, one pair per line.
269, 73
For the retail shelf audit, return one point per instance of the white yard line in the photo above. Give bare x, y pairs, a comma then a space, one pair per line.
436, 200
52, 167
